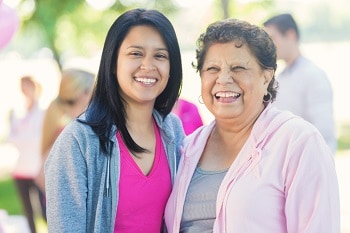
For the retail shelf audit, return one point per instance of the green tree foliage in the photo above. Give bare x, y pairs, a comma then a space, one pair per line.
73, 28
250, 10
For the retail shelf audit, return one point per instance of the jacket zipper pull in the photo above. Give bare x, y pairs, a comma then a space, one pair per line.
107, 177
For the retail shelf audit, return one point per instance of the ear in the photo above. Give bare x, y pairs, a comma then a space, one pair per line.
268, 74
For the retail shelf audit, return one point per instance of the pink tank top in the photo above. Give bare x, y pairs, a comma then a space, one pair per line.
142, 198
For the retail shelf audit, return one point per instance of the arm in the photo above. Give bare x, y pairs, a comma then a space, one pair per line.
311, 188
66, 185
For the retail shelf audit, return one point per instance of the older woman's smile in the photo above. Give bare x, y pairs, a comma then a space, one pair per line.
227, 96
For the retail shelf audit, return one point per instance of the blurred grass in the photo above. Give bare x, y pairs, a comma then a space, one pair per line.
9, 199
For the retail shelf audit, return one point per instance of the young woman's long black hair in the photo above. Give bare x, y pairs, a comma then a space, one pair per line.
106, 106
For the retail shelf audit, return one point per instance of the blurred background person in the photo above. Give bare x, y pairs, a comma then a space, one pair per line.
304, 88
74, 94
25, 134
189, 115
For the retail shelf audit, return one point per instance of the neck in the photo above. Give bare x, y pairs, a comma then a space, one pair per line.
139, 118
292, 58
242, 124
30, 104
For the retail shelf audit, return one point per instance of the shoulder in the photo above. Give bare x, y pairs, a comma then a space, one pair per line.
277, 121
200, 135
299, 131
168, 122
170, 125
77, 143
78, 131
290, 135
311, 70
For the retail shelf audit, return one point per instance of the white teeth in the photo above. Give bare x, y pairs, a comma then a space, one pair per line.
146, 80
226, 94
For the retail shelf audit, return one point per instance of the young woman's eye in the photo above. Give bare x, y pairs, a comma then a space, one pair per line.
161, 56
136, 53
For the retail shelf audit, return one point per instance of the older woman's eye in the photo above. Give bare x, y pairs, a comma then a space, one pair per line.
237, 68
212, 68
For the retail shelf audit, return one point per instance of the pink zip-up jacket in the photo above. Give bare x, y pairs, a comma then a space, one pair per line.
283, 180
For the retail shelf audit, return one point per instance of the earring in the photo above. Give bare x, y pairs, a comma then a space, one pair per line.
267, 97
200, 99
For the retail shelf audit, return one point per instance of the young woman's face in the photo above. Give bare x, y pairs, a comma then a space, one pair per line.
143, 65
233, 84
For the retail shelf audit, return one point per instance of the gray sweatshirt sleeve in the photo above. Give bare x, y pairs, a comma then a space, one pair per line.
66, 185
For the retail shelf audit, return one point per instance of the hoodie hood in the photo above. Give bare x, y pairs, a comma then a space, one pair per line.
267, 123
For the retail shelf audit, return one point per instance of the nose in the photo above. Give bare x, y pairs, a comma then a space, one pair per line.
224, 78
147, 64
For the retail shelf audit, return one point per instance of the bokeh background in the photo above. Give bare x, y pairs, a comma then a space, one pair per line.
51, 35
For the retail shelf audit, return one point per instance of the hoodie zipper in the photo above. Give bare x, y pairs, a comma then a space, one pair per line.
108, 172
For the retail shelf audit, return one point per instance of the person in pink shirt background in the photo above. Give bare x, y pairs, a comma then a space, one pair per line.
189, 115
254, 168
25, 135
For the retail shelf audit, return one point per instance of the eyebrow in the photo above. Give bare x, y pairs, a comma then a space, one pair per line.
140, 47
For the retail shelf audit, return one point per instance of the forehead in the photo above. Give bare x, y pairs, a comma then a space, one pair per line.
142, 35
229, 52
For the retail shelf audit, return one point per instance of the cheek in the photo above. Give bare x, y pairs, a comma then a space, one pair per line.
165, 69
119, 70
254, 90
249, 90
205, 87
127, 65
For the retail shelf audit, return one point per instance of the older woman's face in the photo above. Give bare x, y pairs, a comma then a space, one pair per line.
233, 84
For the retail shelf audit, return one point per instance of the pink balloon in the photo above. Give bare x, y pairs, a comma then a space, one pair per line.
8, 24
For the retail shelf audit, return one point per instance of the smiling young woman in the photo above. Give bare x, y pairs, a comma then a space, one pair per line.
112, 169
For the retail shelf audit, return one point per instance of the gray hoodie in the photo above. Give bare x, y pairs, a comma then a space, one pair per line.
81, 181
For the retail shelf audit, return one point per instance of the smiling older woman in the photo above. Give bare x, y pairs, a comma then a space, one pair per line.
254, 168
